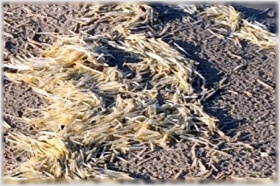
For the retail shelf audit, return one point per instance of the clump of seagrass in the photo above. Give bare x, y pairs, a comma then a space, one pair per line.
256, 33
97, 106
51, 158
225, 15
122, 16
241, 29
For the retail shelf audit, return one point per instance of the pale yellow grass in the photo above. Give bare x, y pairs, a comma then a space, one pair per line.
123, 16
225, 15
91, 104
241, 29
95, 110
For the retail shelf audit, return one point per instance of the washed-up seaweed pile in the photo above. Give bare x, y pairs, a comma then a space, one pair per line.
122, 17
237, 28
105, 94
95, 107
